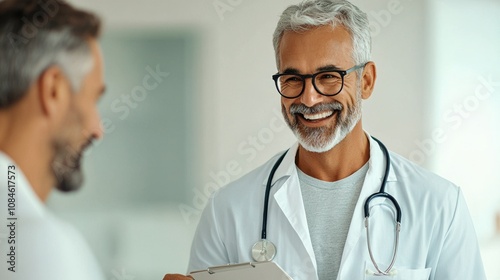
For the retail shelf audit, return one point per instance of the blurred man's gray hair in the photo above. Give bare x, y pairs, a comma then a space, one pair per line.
35, 35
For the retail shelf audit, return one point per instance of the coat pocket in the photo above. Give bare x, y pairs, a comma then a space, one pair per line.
398, 273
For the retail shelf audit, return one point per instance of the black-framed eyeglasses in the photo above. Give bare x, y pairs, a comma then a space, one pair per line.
328, 82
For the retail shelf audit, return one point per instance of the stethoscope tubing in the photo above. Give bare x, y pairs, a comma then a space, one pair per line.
382, 192
268, 190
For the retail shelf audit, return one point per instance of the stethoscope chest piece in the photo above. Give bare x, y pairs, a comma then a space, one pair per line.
263, 250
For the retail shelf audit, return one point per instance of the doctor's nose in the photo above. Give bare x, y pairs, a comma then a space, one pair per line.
310, 96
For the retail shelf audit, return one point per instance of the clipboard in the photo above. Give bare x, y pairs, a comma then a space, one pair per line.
266, 270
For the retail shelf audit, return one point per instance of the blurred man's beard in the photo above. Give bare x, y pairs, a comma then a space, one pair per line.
66, 167
323, 139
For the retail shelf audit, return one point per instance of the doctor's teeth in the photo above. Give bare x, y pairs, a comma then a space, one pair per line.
318, 116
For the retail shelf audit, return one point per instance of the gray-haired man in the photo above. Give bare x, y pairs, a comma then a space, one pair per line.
51, 77
319, 189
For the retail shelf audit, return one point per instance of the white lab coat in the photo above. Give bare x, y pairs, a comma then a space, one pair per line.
437, 239
45, 247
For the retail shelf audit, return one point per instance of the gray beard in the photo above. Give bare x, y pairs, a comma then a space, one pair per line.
323, 139
66, 167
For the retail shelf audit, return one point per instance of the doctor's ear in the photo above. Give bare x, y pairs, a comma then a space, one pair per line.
368, 79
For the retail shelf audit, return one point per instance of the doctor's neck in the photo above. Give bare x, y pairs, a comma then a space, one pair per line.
341, 161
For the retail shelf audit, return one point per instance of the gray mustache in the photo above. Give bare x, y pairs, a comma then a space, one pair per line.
303, 109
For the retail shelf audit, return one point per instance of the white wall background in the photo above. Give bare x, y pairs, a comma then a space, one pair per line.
237, 109
465, 51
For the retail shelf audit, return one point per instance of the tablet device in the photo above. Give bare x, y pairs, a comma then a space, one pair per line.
267, 270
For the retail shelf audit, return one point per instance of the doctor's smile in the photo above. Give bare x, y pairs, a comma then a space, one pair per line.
315, 116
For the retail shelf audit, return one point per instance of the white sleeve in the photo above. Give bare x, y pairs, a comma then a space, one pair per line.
208, 248
460, 256
50, 249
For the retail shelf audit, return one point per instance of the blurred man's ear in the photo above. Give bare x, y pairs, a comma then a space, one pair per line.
53, 91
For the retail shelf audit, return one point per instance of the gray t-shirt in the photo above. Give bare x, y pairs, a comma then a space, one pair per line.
329, 208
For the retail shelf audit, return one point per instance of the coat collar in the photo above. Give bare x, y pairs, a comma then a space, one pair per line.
287, 166
31, 204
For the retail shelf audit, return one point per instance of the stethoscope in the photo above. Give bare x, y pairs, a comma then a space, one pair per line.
265, 250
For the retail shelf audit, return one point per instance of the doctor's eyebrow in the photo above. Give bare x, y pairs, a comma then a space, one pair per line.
329, 67
291, 71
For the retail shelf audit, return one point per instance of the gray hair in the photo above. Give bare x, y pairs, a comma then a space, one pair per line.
22, 65
29, 47
314, 13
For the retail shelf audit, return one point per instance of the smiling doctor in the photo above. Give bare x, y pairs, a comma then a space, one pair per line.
315, 224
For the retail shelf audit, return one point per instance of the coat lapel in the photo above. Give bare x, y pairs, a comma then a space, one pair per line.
288, 197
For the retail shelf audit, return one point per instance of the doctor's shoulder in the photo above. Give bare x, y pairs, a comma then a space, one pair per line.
406, 169
420, 182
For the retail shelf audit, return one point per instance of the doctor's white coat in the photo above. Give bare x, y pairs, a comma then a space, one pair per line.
437, 239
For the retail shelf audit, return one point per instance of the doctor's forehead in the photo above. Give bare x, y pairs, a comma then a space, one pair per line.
319, 47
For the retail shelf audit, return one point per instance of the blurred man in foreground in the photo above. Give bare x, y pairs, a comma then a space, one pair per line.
51, 77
